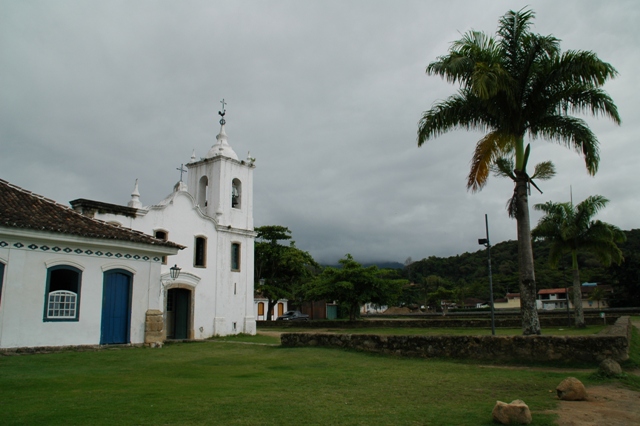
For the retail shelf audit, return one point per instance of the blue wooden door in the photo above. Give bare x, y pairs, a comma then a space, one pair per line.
116, 308
1, 279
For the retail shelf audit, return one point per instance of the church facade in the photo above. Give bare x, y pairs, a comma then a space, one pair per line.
211, 214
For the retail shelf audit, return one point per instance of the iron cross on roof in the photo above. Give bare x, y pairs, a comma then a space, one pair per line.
182, 170
223, 112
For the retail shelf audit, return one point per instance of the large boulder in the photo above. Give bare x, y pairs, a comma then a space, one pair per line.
571, 389
516, 412
610, 368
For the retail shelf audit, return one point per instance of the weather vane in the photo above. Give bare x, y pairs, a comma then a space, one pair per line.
223, 112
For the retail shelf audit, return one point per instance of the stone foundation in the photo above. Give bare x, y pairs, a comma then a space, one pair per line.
154, 328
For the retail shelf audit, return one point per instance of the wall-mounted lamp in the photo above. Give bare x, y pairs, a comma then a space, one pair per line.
175, 272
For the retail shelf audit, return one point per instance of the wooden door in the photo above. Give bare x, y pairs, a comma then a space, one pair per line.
116, 308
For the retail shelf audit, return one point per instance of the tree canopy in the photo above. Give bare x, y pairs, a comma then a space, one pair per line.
515, 84
353, 285
280, 270
571, 229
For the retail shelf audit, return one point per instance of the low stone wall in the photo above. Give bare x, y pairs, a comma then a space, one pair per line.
591, 349
441, 322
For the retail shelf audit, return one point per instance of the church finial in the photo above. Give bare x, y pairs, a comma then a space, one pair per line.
135, 198
222, 113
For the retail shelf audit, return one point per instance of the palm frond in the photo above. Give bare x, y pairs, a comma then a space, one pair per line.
573, 133
544, 171
503, 167
462, 110
488, 149
581, 67
457, 67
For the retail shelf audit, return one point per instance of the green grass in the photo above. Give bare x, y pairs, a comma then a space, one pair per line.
455, 331
248, 338
240, 384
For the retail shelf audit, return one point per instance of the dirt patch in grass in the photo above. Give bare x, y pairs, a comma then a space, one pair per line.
607, 405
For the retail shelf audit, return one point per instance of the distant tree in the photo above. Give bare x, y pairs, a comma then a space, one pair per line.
571, 230
280, 270
515, 85
353, 286
440, 297
597, 295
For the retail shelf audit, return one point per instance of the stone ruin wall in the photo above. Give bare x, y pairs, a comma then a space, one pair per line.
612, 343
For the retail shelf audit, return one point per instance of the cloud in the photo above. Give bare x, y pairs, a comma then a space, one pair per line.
325, 94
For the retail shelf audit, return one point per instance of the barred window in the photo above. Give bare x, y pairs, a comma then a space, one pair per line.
235, 257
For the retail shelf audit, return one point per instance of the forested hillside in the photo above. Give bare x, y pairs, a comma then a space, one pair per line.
467, 274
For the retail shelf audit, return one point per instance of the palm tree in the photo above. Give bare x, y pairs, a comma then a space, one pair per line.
597, 295
571, 230
518, 84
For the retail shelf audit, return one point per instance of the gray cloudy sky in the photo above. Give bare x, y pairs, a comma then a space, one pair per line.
325, 94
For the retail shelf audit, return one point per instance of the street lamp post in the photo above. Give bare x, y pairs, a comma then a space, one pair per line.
485, 242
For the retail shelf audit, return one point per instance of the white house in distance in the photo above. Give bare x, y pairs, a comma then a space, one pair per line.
212, 215
68, 280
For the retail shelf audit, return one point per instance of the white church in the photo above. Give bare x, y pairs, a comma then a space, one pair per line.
212, 216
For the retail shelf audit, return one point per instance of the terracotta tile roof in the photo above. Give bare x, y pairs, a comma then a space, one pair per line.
552, 291
23, 209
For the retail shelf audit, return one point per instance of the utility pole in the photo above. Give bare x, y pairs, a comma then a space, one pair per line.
485, 242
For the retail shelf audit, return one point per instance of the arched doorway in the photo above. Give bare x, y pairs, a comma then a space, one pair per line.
116, 307
178, 311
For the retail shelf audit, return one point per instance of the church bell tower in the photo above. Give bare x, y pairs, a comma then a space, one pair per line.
221, 184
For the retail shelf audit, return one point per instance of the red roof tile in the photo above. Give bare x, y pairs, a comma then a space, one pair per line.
23, 209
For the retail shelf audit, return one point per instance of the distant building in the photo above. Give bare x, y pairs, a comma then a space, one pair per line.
556, 298
510, 301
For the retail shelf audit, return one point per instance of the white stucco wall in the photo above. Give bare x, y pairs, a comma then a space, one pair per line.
222, 299
22, 303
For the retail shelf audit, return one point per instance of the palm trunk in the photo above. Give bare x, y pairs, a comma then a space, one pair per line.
577, 293
528, 293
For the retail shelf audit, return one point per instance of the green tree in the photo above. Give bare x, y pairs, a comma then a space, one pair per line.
571, 230
440, 297
512, 85
280, 270
353, 286
597, 295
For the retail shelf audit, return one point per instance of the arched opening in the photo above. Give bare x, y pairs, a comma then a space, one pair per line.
62, 295
260, 310
200, 253
203, 190
178, 310
116, 307
235, 257
236, 194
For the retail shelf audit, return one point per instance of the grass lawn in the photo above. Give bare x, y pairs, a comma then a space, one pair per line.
242, 384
